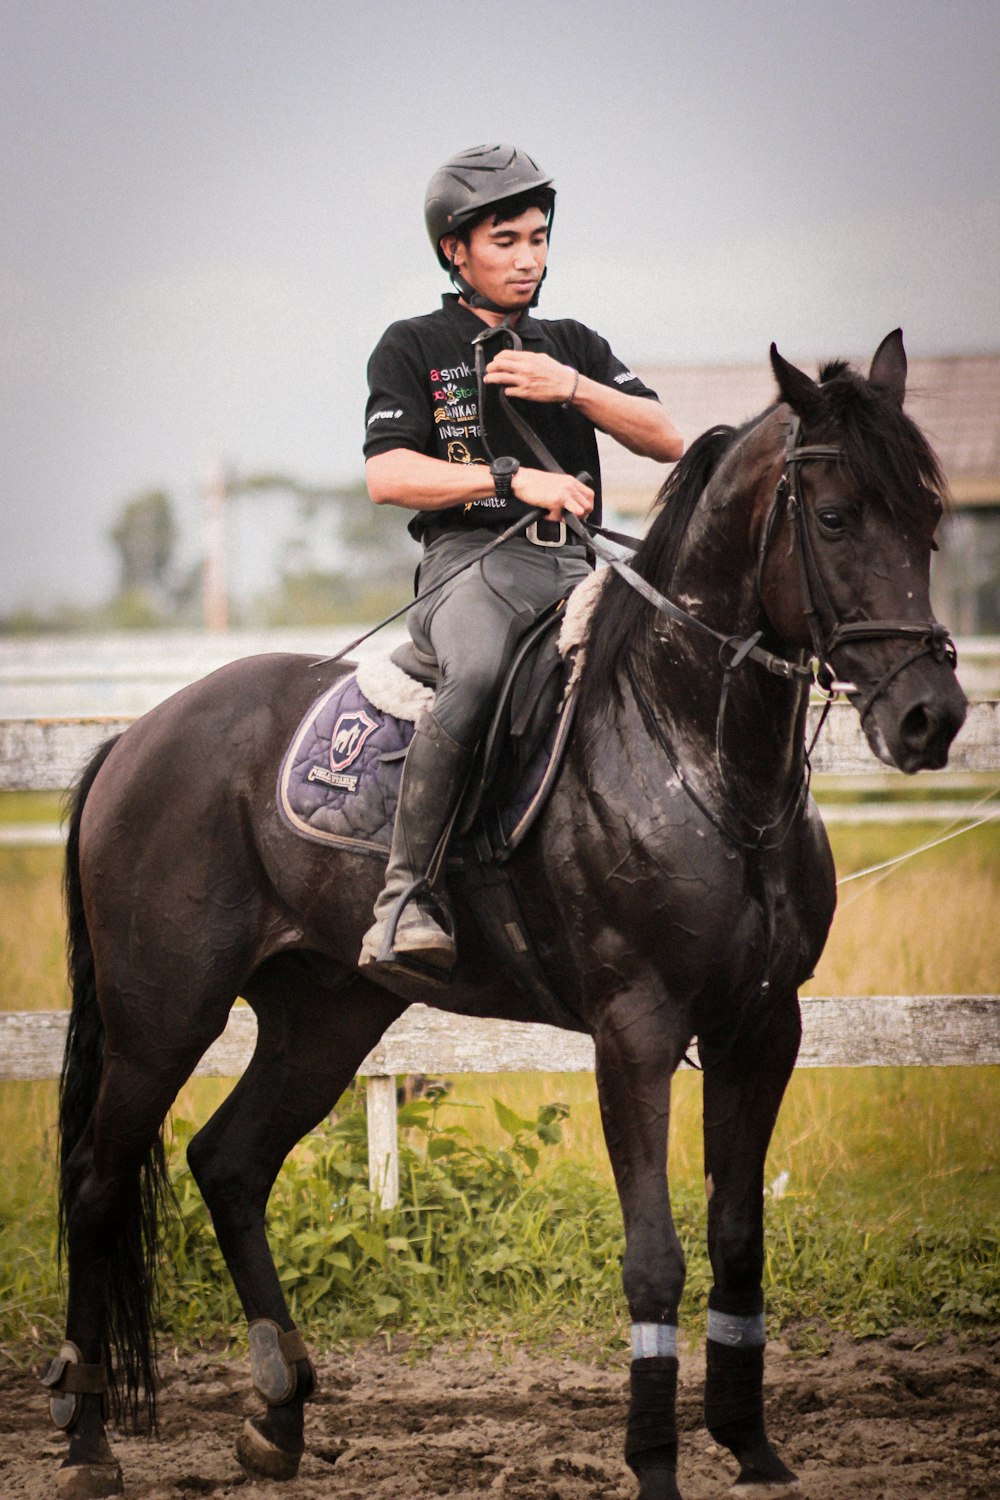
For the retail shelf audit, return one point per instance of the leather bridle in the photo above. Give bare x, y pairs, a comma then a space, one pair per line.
932, 638
735, 651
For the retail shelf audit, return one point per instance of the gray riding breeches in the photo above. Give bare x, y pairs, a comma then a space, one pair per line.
473, 625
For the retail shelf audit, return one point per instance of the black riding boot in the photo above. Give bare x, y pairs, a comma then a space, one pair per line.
433, 778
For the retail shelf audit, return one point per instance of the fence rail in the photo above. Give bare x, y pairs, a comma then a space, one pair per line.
47, 754
837, 1031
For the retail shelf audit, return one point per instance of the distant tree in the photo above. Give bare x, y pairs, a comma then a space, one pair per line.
146, 536
376, 541
378, 557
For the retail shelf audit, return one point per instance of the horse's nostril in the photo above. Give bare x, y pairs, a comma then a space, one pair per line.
918, 727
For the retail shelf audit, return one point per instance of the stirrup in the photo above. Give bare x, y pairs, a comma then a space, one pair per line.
420, 887
389, 961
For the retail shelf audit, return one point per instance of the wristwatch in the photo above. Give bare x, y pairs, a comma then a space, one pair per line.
503, 471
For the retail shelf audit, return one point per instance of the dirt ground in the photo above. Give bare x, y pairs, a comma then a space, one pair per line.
884, 1419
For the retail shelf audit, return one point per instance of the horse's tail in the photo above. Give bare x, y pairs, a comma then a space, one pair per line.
130, 1264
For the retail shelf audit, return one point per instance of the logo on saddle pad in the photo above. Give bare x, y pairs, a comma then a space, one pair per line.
346, 743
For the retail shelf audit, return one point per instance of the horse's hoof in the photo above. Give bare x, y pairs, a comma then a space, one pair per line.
658, 1484
768, 1489
778, 1489
762, 1474
262, 1459
89, 1481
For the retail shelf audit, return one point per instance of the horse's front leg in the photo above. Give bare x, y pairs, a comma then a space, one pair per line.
745, 1078
638, 1048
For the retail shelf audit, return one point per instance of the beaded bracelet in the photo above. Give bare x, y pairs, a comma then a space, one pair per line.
576, 381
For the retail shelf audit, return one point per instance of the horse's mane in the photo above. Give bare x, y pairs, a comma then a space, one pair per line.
884, 451
620, 611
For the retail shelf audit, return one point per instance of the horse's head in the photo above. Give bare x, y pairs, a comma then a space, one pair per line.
845, 553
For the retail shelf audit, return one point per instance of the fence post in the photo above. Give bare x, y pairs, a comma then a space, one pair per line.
383, 1139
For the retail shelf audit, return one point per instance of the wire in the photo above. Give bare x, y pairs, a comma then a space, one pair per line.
889, 864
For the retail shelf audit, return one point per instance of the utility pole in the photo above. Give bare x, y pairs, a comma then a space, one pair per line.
215, 602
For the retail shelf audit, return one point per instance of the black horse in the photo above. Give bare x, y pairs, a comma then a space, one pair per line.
678, 884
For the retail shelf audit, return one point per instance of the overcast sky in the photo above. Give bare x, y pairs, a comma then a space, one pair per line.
212, 208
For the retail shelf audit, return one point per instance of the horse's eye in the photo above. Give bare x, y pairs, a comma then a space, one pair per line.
832, 521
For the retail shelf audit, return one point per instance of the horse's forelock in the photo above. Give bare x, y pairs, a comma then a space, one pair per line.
884, 450
832, 370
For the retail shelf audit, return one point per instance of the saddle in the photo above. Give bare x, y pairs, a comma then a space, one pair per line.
339, 779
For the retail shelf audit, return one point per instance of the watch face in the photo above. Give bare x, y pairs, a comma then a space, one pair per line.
504, 467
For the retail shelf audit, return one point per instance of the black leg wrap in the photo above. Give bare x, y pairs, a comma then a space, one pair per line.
651, 1437
734, 1391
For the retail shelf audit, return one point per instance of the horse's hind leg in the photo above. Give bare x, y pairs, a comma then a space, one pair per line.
745, 1079
637, 1053
113, 1178
314, 1032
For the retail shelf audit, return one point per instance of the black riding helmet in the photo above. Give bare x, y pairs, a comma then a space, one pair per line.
472, 183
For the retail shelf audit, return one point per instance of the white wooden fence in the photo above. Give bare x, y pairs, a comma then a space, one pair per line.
47, 753
898, 1030
846, 1032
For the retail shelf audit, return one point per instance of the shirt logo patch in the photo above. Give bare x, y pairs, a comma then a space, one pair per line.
388, 414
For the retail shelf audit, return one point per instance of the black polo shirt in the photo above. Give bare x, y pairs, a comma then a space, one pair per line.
422, 384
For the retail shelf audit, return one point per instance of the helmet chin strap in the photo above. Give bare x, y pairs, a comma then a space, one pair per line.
468, 293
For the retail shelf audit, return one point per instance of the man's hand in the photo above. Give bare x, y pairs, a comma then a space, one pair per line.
553, 493
531, 377
640, 425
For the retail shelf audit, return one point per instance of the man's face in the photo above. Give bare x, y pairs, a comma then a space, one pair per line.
505, 261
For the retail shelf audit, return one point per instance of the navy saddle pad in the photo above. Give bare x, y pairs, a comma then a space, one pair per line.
339, 779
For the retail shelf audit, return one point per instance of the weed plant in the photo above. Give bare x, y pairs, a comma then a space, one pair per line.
487, 1242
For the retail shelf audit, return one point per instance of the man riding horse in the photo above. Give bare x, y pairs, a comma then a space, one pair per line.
488, 213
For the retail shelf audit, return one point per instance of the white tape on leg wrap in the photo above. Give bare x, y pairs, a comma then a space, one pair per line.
654, 1341
737, 1333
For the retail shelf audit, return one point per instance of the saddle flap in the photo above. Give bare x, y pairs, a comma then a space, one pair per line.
525, 712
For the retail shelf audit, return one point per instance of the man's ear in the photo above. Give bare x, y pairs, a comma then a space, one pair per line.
452, 246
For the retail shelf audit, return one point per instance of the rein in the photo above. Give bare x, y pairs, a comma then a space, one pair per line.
733, 650
743, 649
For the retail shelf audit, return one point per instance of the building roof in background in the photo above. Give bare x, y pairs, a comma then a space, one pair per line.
954, 399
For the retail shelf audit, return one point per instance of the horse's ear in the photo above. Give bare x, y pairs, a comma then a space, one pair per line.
888, 371
796, 387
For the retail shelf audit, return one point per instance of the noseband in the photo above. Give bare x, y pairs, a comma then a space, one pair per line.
933, 639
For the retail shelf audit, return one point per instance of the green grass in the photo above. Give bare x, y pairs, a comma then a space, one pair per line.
30, 807
495, 1241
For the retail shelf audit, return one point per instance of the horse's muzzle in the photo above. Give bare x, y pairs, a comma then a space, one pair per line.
913, 727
